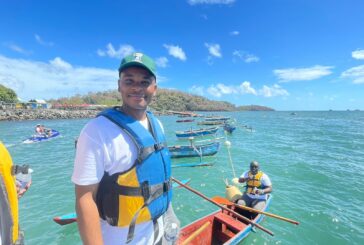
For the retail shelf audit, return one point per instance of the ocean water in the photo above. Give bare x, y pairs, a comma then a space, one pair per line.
314, 159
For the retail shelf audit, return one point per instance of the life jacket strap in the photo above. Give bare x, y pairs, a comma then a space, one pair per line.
157, 191
146, 151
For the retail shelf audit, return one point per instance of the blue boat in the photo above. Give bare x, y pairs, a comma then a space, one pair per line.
229, 128
42, 137
194, 150
217, 118
196, 133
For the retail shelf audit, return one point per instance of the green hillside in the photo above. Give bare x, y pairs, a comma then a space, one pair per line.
165, 100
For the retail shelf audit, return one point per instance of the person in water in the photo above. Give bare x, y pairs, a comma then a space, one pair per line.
122, 167
10, 191
258, 185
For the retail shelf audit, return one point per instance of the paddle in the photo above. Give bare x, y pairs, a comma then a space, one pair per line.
225, 201
224, 208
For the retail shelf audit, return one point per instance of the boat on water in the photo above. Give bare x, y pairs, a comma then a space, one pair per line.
192, 150
185, 120
217, 118
42, 137
220, 227
229, 128
196, 132
211, 122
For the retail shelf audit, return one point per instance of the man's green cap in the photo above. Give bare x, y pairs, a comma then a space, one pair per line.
140, 60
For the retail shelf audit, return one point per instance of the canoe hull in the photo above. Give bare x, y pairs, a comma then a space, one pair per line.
196, 133
221, 228
190, 151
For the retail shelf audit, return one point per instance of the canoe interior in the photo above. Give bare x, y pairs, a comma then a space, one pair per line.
224, 228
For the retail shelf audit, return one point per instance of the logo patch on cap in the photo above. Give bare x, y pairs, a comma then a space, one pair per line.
138, 57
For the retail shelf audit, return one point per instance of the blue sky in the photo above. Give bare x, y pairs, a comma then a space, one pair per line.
285, 54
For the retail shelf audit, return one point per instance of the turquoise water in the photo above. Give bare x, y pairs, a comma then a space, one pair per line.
314, 159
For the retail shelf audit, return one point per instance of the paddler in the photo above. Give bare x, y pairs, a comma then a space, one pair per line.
258, 185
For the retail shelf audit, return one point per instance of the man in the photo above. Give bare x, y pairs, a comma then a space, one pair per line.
122, 166
258, 185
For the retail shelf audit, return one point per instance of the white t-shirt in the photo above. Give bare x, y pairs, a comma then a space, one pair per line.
103, 146
265, 182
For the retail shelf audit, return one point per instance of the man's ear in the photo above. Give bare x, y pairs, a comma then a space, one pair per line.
155, 91
119, 86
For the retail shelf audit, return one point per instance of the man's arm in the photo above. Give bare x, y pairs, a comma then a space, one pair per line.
87, 214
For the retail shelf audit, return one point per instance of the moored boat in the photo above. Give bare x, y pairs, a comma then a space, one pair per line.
220, 227
196, 132
194, 150
185, 120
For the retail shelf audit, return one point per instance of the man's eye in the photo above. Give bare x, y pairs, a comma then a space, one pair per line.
145, 83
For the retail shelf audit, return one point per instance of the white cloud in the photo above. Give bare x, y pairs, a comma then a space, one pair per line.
214, 91
58, 63
245, 87
356, 73
56, 78
17, 48
198, 90
234, 33
302, 74
358, 54
161, 62
273, 91
246, 57
175, 51
195, 2
41, 41
111, 52
214, 49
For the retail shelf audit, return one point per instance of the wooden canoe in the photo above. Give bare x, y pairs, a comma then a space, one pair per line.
179, 151
220, 227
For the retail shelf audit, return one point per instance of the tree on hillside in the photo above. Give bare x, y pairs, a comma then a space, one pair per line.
7, 95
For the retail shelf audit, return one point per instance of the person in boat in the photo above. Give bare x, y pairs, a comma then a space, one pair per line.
122, 169
10, 192
39, 129
258, 185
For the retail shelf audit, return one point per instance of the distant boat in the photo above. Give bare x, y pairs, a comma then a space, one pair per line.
42, 137
185, 120
194, 150
229, 128
293, 113
211, 122
196, 133
217, 118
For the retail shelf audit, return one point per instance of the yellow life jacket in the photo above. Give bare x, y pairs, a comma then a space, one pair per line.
9, 226
254, 182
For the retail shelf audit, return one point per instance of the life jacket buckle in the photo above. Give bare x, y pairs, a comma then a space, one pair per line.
158, 146
145, 189
166, 186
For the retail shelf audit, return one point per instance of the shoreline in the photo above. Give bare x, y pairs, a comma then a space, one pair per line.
47, 114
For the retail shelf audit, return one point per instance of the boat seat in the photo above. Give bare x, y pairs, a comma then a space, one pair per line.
230, 221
